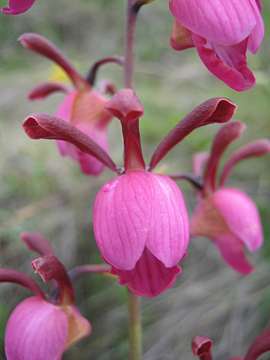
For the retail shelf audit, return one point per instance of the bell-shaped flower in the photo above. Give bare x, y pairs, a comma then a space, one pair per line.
226, 215
83, 106
16, 7
140, 218
222, 32
43, 326
202, 347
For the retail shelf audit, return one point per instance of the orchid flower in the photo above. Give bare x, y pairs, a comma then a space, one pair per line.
82, 106
222, 32
43, 326
140, 218
202, 347
226, 215
16, 7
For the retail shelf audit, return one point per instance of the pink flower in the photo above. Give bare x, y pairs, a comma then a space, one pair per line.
202, 347
226, 215
140, 218
83, 106
222, 33
43, 327
16, 7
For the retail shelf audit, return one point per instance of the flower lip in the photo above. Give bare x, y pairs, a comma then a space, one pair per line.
202, 346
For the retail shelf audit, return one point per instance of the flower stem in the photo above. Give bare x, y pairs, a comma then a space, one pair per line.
135, 327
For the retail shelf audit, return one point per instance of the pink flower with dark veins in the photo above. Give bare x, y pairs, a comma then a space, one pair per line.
226, 215
43, 326
83, 106
202, 347
140, 218
16, 7
222, 32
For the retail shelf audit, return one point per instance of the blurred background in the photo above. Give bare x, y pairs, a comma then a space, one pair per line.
40, 191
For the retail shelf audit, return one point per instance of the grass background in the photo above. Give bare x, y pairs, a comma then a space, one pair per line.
41, 191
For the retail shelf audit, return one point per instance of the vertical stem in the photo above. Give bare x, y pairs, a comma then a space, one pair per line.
135, 330
129, 45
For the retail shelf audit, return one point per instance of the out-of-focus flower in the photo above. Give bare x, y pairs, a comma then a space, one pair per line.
226, 215
201, 347
83, 106
222, 32
140, 218
43, 326
16, 7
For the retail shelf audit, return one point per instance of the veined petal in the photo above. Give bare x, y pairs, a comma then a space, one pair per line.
260, 346
45, 89
149, 277
122, 218
231, 249
168, 235
16, 7
36, 329
241, 216
228, 63
216, 110
225, 23
181, 38
257, 34
255, 149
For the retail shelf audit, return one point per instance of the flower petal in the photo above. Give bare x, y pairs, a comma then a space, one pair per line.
232, 251
181, 38
36, 329
202, 346
168, 236
215, 20
241, 216
260, 346
122, 217
257, 34
78, 326
42, 126
45, 89
16, 7
224, 137
149, 277
36, 242
216, 110
255, 149
228, 63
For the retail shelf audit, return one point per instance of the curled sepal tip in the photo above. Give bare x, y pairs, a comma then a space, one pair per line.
37, 243
216, 110
42, 126
45, 89
202, 347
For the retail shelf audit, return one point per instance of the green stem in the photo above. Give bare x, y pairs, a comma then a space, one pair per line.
135, 327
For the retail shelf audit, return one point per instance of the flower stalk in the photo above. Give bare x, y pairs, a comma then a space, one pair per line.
135, 328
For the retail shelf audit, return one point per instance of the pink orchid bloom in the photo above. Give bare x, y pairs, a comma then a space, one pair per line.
82, 106
222, 32
202, 347
43, 326
140, 218
226, 215
16, 7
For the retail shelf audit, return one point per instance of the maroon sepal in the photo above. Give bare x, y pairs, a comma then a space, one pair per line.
45, 89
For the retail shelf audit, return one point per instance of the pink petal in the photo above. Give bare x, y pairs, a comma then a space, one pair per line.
216, 110
232, 251
257, 34
168, 235
255, 149
260, 346
45, 89
149, 277
224, 137
36, 329
181, 38
140, 209
36, 242
42, 126
122, 218
16, 7
40, 45
241, 216
225, 23
228, 63
201, 347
